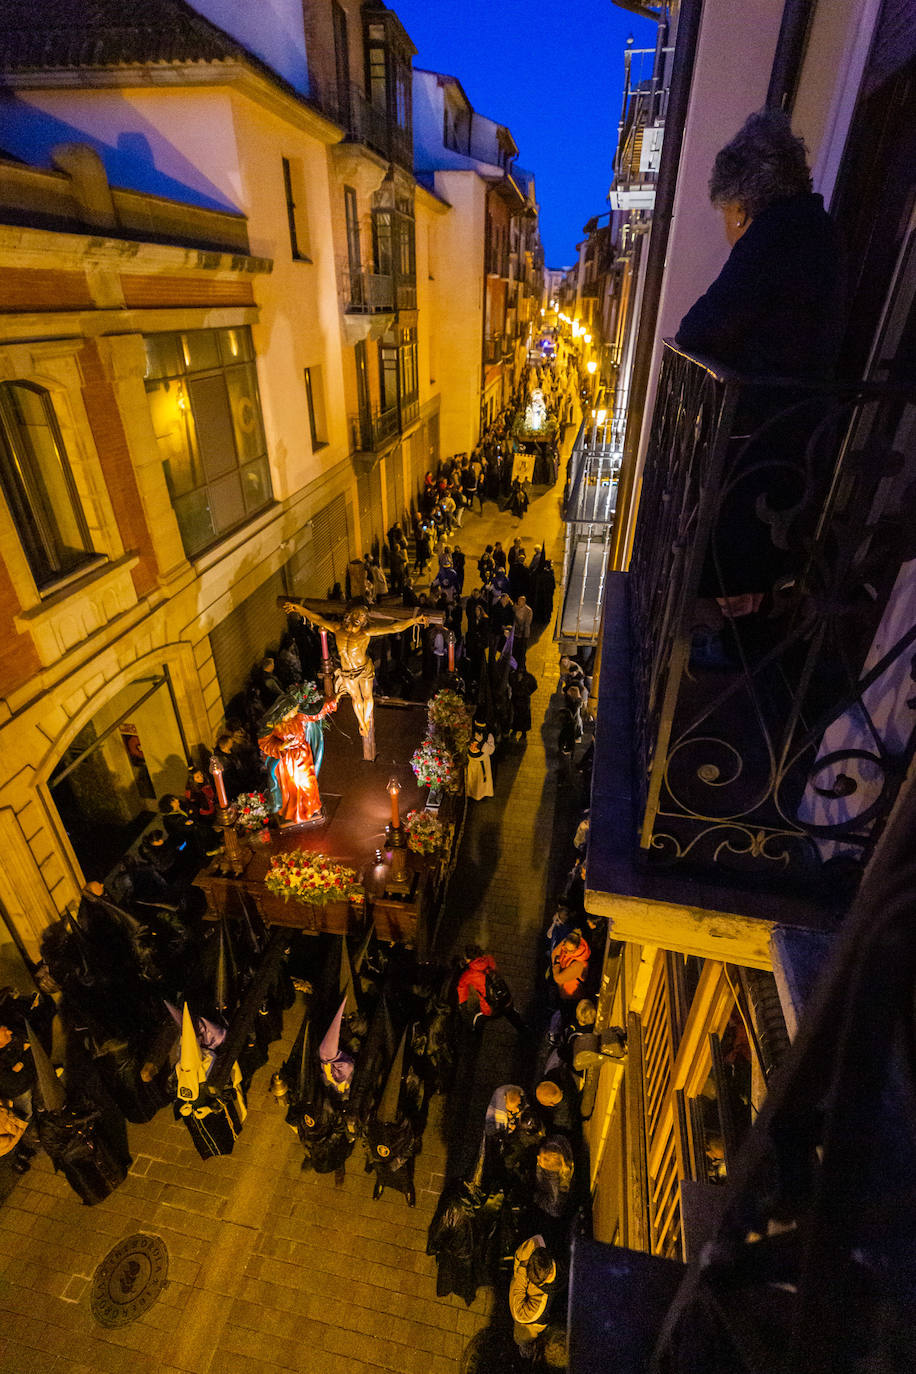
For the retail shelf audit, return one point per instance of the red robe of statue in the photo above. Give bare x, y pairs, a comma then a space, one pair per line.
288, 744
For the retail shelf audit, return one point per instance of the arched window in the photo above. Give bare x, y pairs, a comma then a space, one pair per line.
38, 485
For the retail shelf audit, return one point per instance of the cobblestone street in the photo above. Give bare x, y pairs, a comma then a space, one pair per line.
269, 1267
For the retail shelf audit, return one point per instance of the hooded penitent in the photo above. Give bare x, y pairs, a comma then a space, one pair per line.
70, 1137
301, 1073
214, 1121
320, 1126
346, 984
391, 1141
336, 1065
191, 1070
224, 994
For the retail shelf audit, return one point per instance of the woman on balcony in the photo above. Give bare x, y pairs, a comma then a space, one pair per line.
775, 310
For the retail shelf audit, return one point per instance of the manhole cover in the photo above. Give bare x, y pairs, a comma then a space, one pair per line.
129, 1280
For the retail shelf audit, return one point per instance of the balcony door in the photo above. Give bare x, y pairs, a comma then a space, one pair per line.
354, 257
388, 376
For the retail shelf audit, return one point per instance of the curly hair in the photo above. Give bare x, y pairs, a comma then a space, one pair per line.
763, 163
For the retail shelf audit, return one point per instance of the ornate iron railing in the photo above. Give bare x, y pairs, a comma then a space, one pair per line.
363, 292
372, 431
772, 744
809, 1267
364, 122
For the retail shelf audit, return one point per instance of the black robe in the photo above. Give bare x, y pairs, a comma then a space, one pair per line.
79, 1150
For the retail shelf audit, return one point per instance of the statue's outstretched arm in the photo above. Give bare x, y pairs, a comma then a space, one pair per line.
297, 608
393, 627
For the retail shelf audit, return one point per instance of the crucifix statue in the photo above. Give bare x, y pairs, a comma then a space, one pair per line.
352, 630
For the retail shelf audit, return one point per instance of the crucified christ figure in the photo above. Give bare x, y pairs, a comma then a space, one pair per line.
355, 675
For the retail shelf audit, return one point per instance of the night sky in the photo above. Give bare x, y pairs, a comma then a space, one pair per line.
552, 71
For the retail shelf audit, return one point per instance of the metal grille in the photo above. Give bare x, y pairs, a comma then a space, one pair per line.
773, 744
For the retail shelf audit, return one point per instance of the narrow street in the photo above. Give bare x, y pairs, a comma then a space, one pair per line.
269, 1267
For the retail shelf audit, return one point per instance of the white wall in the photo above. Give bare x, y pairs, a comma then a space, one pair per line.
460, 242
272, 29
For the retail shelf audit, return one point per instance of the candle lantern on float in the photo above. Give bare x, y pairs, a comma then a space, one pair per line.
399, 882
233, 861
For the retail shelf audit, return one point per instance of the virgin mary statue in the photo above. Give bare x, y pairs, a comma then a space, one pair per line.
293, 749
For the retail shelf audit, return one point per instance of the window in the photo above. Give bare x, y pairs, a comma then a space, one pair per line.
314, 395
341, 63
295, 210
377, 68
410, 384
206, 410
38, 485
354, 256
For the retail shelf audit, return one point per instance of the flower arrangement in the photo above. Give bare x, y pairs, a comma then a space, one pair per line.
435, 766
311, 700
450, 722
425, 832
309, 877
252, 809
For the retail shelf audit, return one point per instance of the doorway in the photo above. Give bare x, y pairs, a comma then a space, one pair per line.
107, 784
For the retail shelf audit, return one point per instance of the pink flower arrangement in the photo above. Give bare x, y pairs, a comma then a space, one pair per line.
309, 877
425, 832
435, 766
252, 809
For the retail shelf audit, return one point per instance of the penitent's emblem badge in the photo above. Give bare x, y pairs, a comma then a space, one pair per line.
129, 1280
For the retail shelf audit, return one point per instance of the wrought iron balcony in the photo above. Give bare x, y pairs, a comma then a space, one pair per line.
770, 745
373, 430
366, 293
364, 122
806, 1264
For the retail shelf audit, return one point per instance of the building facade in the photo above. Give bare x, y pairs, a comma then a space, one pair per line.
226, 342
732, 819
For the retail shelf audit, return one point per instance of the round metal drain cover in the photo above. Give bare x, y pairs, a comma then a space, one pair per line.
129, 1280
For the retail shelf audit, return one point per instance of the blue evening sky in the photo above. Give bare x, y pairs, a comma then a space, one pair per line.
552, 71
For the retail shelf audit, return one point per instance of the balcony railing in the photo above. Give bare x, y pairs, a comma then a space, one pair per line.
371, 431
770, 746
492, 349
364, 122
366, 293
801, 1262
590, 502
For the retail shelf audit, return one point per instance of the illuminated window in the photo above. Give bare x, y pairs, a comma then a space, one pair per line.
206, 410
38, 485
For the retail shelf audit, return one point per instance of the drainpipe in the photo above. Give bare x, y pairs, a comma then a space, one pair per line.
678, 103
789, 55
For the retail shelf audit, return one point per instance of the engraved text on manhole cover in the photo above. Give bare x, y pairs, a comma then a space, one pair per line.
129, 1280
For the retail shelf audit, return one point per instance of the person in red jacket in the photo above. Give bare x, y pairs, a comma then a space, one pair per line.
484, 991
569, 965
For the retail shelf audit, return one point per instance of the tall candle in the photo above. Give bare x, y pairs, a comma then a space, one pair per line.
393, 792
451, 652
324, 644
216, 770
